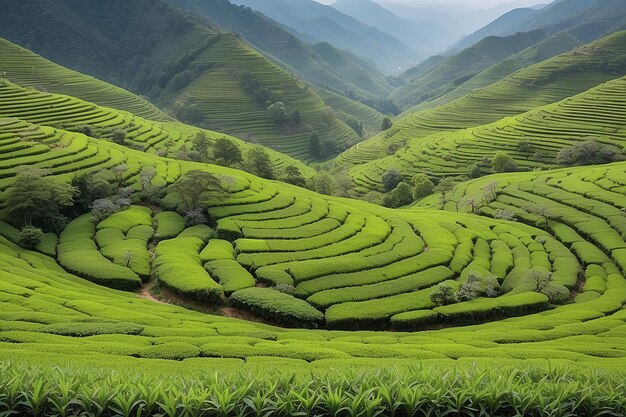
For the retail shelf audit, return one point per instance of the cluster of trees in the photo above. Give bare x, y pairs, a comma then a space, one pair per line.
473, 287
400, 192
273, 101
589, 152
354, 123
383, 105
322, 148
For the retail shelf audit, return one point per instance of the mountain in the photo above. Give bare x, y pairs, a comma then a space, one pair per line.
587, 20
540, 84
313, 22
287, 50
182, 63
22, 66
556, 44
426, 37
457, 69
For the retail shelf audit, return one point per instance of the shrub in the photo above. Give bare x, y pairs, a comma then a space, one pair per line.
391, 178
31, 237
589, 152
173, 351
423, 186
502, 162
413, 320
443, 294
278, 306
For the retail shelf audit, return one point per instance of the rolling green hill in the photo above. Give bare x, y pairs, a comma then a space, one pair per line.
288, 235
30, 70
314, 22
72, 114
540, 84
308, 61
370, 117
175, 67
586, 20
557, 44
457, 69
598, 113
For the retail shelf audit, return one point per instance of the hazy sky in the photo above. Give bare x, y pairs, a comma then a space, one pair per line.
467, 3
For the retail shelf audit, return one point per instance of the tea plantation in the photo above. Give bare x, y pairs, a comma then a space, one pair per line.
194, 289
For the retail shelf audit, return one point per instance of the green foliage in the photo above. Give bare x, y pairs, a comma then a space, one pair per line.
443, 294
589, 152
226, 150
33, 195
423, 186
391, 178
279, 306
386, 124
258, 163
502, 162
31, 237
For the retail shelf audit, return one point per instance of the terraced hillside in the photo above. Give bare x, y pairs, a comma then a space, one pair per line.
556, 44
582, 207
48, 311
371, 118
540, 84
23, 67
226, 107
457, 69
183, 64
309, 61
599, 113
327, 261
33, 118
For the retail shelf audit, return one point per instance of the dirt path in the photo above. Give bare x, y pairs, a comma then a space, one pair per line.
145, 292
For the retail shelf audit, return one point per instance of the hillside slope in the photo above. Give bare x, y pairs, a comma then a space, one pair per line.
599, 113
30, 70
455, 70
540, 84
160, 51
268, 37
586, 20
314, 22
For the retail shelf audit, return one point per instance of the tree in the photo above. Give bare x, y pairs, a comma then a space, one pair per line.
195, 216
403, 194
544, 213
502, 162
90, 187
443, 294
34, 196
355, 124
492, 287
294, 176
524, 146
194, 187
228, 151
503, 214
423, 186
119, 171
446, 187
471, 288
470, 202
104, 207
295, 118
201, 145
589, 152
146, 176
315, 145
278, 113
258, 163
343, 184
386, 124
490, 192
31, 237
539, 279
474, 171
391, 178
324, 183
118, 136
